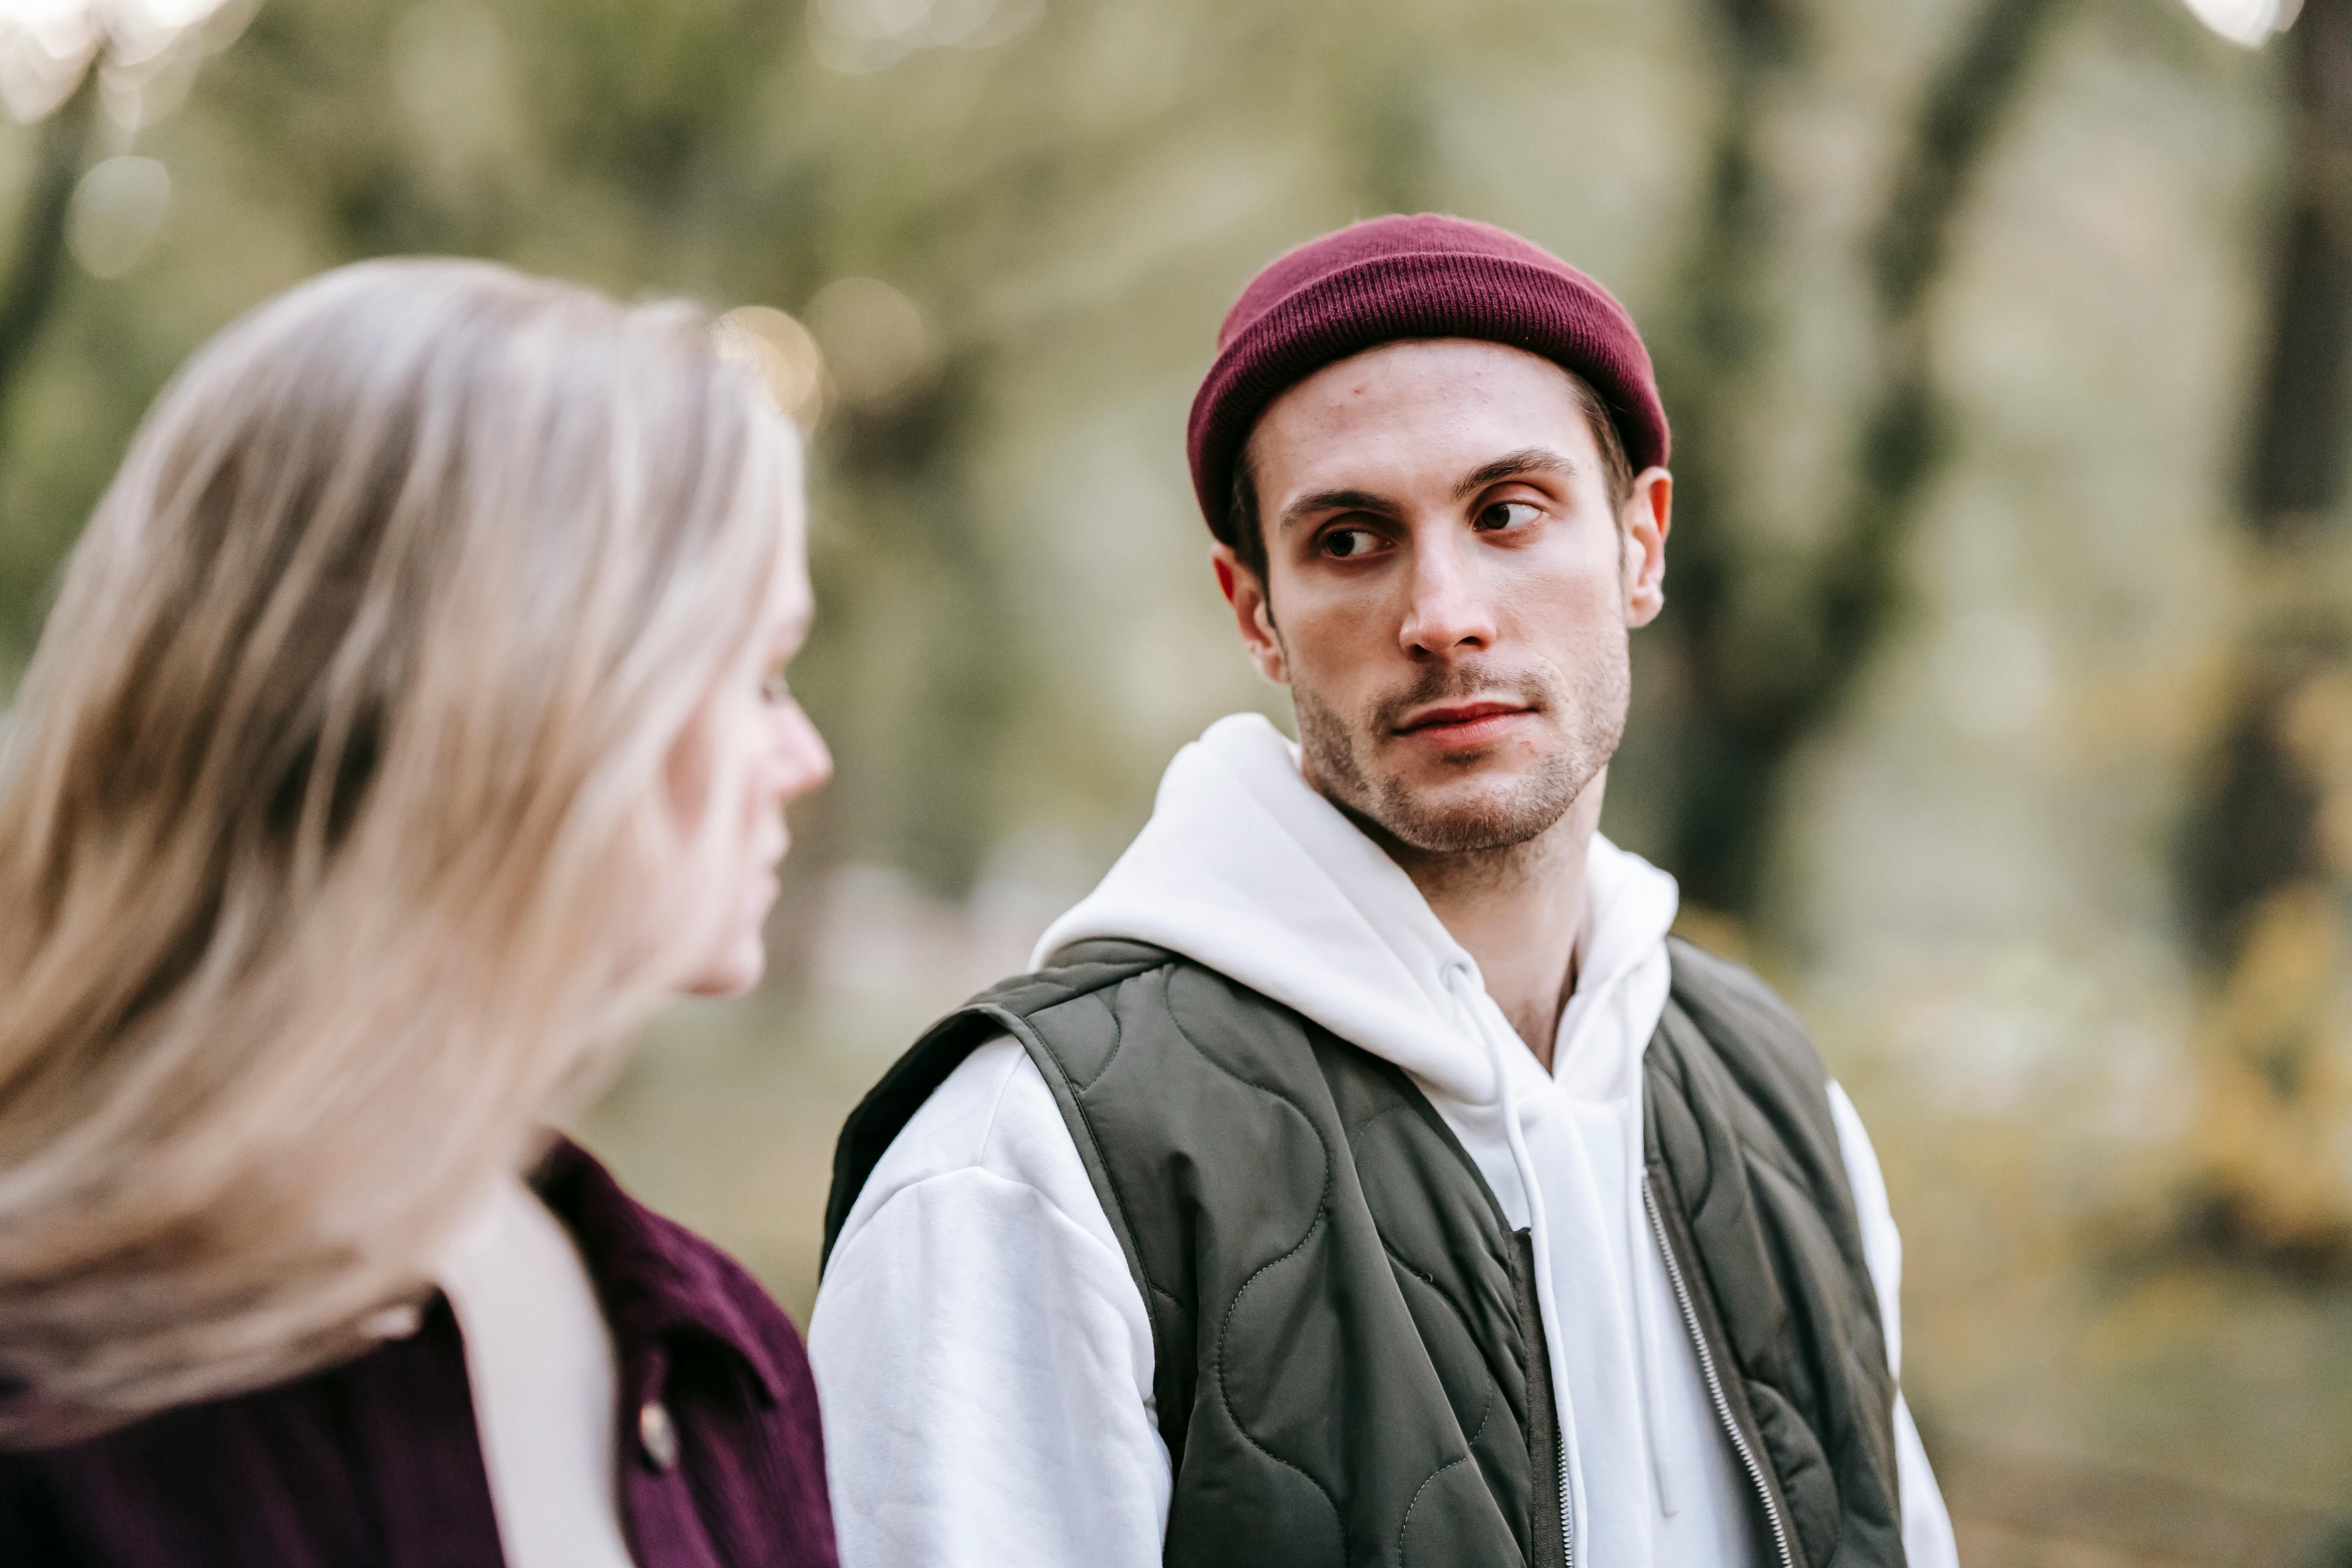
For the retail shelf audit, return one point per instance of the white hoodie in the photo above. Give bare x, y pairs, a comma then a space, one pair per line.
983, 1354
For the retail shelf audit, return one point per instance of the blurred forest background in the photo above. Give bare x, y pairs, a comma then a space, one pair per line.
2001, 711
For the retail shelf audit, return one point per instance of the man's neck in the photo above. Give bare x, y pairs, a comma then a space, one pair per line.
1518, 911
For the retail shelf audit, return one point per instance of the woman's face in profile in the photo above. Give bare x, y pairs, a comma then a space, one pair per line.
784, 758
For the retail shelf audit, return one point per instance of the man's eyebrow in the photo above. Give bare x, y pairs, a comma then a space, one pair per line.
1336, 500
1532, 461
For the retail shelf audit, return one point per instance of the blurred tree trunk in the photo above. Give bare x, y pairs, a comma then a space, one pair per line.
2266, 861
39, 266
1710, 369
1772, 647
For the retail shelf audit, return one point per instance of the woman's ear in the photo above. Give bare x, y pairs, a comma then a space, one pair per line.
1253, 613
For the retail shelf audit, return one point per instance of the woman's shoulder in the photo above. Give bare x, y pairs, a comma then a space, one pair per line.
299, 1463
352, 1461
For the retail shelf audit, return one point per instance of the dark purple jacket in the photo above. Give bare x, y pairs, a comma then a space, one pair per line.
375, 1463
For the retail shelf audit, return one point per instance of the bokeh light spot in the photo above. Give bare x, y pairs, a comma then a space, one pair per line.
2246, 22
783, 355
118, 210
875, 342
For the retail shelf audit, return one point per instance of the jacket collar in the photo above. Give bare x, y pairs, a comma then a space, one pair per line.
657, 1282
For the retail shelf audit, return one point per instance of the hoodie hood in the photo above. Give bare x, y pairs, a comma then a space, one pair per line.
1246, 869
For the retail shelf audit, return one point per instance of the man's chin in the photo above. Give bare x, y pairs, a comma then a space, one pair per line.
1465, 817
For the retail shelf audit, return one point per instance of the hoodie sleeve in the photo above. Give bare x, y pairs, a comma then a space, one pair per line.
984, 1357
1927, 1526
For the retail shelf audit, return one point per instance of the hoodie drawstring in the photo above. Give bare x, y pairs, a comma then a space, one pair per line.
1468, 993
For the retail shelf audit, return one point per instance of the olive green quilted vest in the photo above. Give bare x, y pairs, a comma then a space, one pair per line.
1350, 1366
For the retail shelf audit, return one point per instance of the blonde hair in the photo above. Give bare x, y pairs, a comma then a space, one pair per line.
336, 847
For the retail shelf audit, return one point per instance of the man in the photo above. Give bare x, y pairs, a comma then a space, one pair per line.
1364, 1176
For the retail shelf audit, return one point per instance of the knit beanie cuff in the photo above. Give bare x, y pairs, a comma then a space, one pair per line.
1539, 304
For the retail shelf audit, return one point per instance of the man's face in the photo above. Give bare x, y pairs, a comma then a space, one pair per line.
1448, 590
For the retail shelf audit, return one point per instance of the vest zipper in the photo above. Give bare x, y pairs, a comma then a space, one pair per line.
1544, 1415
1567, 1516
1714, 1384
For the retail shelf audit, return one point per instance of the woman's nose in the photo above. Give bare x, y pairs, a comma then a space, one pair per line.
802, 761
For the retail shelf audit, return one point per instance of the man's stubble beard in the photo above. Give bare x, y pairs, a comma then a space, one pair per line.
1590, 703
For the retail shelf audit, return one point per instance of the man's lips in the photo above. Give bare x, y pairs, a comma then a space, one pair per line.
1465, 723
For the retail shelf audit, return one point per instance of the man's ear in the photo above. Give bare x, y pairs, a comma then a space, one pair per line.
1648, 516
1252, 613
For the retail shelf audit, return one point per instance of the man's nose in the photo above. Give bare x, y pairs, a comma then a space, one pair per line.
1448, 609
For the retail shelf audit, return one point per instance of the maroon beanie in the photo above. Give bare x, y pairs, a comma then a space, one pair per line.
1428, 276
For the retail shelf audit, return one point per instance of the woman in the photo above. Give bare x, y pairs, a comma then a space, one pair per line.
410, 722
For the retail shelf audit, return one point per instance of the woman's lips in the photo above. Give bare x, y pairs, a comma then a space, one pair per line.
1471, 724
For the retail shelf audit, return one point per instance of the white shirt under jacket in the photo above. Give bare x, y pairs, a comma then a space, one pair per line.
545, 1381
983, 1354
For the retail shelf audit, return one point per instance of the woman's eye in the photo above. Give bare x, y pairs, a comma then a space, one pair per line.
1346, 544
1506, 514
775, 688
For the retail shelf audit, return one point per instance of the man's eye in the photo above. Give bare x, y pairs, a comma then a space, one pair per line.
1345, 543
1506, 514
